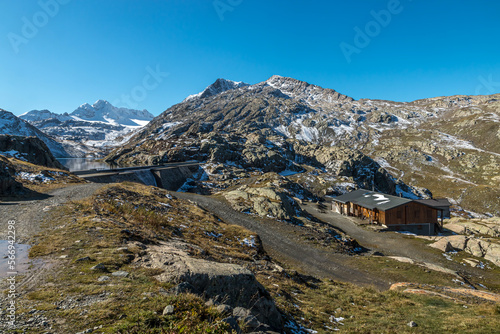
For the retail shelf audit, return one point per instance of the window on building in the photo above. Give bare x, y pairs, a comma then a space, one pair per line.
399, 214
417, 214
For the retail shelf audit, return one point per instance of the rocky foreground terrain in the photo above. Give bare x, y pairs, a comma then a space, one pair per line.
258, 257
447, 146
138, 259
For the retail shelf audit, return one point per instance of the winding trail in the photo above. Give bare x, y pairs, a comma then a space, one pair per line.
281, 241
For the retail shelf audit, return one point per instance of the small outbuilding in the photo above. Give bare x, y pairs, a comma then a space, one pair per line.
396, 213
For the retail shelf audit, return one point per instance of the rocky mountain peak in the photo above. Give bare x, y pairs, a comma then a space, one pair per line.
101, 104
220, 85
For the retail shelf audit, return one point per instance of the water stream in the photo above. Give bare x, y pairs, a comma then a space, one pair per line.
22, 262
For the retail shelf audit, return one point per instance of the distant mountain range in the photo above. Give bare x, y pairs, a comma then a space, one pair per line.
12, 125
100, 125
450, 145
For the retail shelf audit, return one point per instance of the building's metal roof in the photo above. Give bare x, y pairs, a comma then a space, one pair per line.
372, 200
435, 203
349, 197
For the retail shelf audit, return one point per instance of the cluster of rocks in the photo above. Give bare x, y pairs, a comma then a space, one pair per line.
270, 195
28, 320
479, 238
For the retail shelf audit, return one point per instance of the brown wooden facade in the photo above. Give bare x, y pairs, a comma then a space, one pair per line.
409, 213
396, 213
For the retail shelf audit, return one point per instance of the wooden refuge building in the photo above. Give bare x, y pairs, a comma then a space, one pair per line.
396, 213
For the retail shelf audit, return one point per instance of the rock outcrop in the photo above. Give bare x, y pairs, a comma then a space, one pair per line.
488, 227
271, 195
8, 184
30, 149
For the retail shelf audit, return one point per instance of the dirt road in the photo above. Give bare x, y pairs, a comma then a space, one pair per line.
280, 240
29, 213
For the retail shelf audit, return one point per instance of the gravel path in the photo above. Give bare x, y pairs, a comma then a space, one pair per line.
388, 243
280, 240
29, 213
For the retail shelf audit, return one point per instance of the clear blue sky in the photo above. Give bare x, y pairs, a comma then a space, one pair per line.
86, 50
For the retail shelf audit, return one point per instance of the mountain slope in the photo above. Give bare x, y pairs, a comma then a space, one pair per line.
12, 125
449, 145
98, 125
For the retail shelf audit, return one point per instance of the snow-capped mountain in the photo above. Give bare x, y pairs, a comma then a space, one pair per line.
12, 125
40, 115
103, 111
219, 86
99, 125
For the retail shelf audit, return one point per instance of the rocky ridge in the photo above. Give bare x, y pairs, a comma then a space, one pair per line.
30, 149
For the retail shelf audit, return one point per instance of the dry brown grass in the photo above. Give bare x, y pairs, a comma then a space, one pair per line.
94, 228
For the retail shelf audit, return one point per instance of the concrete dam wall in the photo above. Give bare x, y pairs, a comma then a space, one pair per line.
170, 178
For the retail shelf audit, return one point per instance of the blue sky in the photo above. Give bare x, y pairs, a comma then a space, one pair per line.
58, 54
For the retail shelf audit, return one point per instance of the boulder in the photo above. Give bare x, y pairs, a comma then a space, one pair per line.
169, 309
443, 245
458, 242
493, 253
224, 308
99, 267
120, 273
412, 324
267, 200
266, 208
231, 283
475, 247
454, 242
